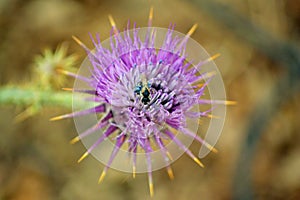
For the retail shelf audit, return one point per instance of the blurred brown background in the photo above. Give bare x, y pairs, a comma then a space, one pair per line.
37, 162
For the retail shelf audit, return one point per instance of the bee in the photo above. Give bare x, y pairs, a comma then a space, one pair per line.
143, 89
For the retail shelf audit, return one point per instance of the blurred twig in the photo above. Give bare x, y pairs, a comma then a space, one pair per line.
286, 53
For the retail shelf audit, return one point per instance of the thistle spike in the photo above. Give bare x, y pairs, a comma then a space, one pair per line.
83, 157
151, 187
230, 103
102, 123
170, 172
212, 116
211, 148
183, 147
71, 74
68, 89
199, 139
113, 24
25, 114
198, 161
150, 17
224, 102
214, 57
111, 21
102, 176
85, 91
189, 33
78, 41
97, 109
89, 52
148, 149
169, 155
204, 76
150, 179
65, 72
192, 30
75, 140
166, 155
134, 162
59, 117
107, 133
208, 60
133, 171
120, 141
199, 85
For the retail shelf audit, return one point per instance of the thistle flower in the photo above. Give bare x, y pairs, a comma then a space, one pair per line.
145, 95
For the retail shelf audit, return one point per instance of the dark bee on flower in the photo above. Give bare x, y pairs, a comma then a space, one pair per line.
142, 89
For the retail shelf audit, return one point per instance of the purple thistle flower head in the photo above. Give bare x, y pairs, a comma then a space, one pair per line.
146, 85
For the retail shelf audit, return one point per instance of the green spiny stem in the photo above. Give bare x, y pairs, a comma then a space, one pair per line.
19, 96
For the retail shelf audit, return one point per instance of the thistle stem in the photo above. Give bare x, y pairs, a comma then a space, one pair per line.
14, 95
